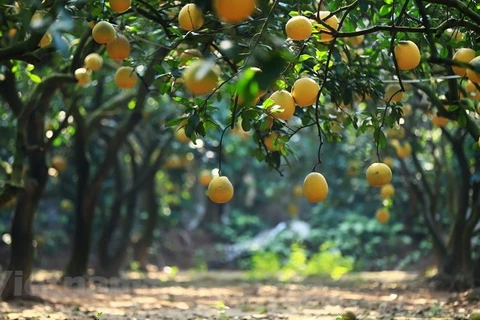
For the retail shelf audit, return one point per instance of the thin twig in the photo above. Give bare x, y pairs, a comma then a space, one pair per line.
220, 150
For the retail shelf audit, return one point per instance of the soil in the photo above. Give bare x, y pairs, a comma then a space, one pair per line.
228, 295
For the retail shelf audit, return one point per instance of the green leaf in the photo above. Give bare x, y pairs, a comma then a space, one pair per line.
192, 124
268, 103
380, 138
34, 78
385, 9
174, 122
304, 57
462, 121
453, 107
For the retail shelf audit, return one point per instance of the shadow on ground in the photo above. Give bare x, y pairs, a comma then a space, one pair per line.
228, 295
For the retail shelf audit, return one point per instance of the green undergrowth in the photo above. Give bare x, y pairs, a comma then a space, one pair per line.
327, 262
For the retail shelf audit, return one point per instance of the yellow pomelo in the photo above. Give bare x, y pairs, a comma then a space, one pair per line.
205, 177
389, 162
396, 133
382, 215
378, 174
83, 76
119, 48
173, 162
355, 41
439, 121
305, 92
93, 61
387, 191
470, 87
267, 123
66, 205
234, 11
407, 55
103, 32
454, 34
407, 110
271, 142
181, 136
91, 24
292, 209
299, 28
464, 55
332, 22
315, 187
120, 5
238, 131
59, 163
404, 151
189, 54
200, 77
125, 78
284, 101
471, 74
352, 169
298, 190
220, 190
190, 17
392, 91
46, 40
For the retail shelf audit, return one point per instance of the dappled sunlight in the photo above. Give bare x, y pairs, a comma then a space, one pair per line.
395, 294
239, 159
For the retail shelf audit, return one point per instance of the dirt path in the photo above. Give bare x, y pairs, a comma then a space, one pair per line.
227, 295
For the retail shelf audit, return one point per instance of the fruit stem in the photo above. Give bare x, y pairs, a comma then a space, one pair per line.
325, 77
234, 112
220, 150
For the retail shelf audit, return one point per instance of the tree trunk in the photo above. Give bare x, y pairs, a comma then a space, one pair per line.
110, 264
110, 225
77, 264
114, 264
459, 264
140, 248
16, 284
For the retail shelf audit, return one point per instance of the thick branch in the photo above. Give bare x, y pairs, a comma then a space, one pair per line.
460, 6
149, 167
127, 126
31, 44
106, 108
155, 17
464, 183
9, 92
432, 226
471, 126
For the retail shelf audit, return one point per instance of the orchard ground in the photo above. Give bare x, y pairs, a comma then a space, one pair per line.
228, 295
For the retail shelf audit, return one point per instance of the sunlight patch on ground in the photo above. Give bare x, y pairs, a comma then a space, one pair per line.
208, 295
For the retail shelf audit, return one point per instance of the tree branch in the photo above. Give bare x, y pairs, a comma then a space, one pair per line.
105, 109
29, 45
8, 90
471, 125
126, 127
460, 6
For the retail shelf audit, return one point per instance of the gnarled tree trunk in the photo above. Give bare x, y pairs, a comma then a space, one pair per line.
16, 284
